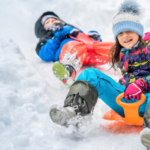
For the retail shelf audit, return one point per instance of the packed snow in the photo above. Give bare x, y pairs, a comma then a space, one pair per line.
28, 87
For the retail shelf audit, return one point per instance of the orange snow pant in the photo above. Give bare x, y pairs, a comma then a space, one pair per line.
85, 51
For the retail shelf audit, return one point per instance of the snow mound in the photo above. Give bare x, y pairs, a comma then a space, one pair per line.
23, 99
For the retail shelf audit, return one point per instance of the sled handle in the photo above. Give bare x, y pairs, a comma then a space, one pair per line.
131, 110
119, 102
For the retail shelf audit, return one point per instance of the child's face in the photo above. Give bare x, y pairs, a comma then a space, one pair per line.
128, 39
51, 21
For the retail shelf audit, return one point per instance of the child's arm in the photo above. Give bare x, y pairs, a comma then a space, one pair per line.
43, 41
129, 77
46, 48
134, 87
95, 35
65, 31
47, 51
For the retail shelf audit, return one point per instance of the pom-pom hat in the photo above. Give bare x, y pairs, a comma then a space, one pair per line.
127, 19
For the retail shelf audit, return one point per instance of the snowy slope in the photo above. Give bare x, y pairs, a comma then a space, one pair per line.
25, 101
28, 87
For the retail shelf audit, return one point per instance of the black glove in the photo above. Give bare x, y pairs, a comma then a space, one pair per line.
74, 32
95, 35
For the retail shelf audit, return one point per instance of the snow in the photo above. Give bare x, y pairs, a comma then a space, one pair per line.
28, 87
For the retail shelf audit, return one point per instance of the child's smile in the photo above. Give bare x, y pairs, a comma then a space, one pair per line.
128, 39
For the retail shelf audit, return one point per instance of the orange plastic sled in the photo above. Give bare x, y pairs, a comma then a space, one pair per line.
131, 122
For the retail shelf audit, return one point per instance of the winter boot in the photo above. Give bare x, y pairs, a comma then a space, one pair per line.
145, 133
60, 115
65, 73
80, 101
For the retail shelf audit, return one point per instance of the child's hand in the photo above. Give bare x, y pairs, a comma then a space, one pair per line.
95, 35
135, 89
55, 27
74, 32
62, 34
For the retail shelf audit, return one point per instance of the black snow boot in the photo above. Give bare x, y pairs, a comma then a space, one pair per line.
80, 101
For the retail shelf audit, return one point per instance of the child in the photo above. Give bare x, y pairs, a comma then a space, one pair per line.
67, 46
134, 53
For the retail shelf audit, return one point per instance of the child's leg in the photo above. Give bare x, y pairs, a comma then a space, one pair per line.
84, 93
108, 90
145, 133
71, 59
147, 117
106, 87
80, 101
73, 53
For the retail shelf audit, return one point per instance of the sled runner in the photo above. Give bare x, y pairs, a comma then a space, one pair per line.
132, 120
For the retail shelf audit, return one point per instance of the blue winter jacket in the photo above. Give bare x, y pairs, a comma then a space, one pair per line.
50, 51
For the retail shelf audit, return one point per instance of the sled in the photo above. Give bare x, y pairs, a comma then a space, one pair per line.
97, 53
132, 122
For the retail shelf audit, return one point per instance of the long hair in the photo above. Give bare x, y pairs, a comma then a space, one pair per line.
114, 54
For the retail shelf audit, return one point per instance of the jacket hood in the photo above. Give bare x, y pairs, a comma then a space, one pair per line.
39, 28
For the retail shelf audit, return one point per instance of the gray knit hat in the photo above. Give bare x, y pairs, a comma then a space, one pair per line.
127, 19
44, 18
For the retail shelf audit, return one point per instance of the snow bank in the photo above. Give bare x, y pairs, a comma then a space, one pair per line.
24, 99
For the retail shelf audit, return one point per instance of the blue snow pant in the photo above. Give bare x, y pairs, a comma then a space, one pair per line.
108, 90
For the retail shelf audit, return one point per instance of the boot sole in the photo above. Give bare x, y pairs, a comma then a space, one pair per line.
60, 115
145, 139
60, 71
